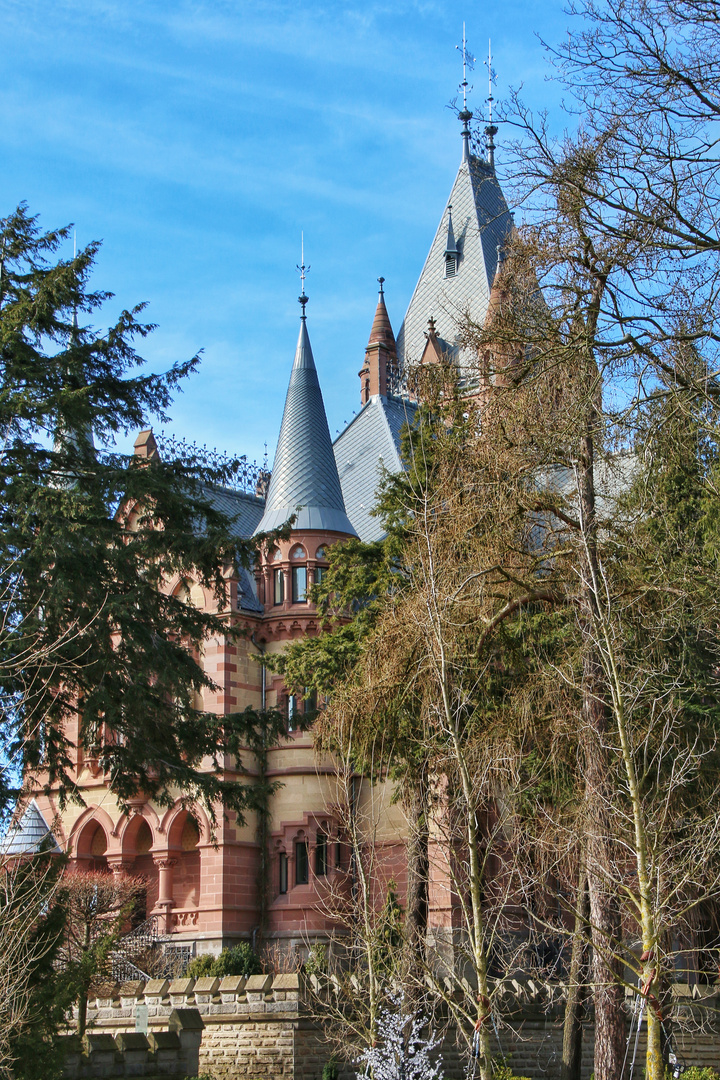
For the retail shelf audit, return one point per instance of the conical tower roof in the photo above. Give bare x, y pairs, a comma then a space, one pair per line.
304, 473
382, 328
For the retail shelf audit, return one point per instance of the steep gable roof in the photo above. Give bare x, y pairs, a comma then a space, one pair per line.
480, 223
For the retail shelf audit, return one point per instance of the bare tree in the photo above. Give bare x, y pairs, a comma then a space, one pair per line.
98, 906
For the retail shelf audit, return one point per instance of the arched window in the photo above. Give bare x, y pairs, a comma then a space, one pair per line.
299, 575
320, 571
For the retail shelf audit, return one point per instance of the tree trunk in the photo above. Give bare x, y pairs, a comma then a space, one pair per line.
418, 871
575, 1006
604, 909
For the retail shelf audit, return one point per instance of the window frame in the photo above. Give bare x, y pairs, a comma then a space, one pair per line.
299, 595
322, 862
302, 862
278, 586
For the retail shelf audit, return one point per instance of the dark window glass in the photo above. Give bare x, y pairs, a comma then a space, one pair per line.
338, 854
302, 863
291, 712
320, 572
310, 701
283, 872
321, 854
299, 584
279, 578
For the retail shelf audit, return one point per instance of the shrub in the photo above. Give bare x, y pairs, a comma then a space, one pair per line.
696, 1073
239, 960
201, 966
502, 1071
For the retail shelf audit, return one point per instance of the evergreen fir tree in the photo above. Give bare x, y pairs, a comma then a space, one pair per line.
94, 650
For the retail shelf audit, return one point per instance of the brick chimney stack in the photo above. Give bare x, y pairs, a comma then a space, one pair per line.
380, 355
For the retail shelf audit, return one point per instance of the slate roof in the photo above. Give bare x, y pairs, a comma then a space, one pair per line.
25, 836
246, 511
369, 442
304, 473
481, 221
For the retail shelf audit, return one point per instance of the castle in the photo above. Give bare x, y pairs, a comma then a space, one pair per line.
202, 887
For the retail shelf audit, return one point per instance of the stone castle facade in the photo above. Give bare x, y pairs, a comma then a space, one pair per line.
203, 887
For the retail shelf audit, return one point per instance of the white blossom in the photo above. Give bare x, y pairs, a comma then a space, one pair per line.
402, 1051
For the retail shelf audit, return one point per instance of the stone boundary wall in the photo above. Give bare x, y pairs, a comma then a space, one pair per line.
261, 1028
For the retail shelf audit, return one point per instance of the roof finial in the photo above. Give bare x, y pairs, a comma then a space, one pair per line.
491, 129
303, 270
465, 114
382, 282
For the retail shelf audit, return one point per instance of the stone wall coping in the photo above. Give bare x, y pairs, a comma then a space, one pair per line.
156, 987
185, 1020
132, 989
206, 986
232, 984
164, 1040
258, 984
286, 982
132, 1040
181, 986
93, 1041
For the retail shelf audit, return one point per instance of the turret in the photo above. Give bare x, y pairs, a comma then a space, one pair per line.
378, 372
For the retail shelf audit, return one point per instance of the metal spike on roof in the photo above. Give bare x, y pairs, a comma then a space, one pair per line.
304, 473
450, 245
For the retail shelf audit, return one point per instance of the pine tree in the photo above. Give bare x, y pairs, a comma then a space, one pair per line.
95, 652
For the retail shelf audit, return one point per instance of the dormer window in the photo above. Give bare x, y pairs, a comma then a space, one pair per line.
451, 249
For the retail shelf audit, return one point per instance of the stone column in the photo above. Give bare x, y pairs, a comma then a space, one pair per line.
120, 865
165, 900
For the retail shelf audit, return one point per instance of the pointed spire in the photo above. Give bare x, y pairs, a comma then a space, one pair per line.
378, 372
491, 129
304, 474
381, 328
450, 246
465, 114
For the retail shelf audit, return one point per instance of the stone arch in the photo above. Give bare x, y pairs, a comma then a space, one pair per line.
91, 846
77, 845
184, 838
172, 828
137, 843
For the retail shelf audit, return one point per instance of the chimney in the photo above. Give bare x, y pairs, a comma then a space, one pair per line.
376, 375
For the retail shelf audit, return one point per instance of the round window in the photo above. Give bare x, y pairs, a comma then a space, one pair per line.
320, 553
276, 555
298, 552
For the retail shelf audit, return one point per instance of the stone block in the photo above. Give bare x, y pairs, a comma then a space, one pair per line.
132, 989
258, 984
163, 1041
286, 982
233, 984
181, 986
97, 1043
206, 986
156, 988
185, 1020
132, 1040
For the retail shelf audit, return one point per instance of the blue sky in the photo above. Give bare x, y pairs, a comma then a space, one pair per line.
197, 138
